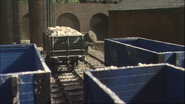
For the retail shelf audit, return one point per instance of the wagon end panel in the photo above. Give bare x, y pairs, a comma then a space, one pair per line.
37, 59
174, 86
26, 88
116, 54
147, 57
127, 83
110, 53
153, 91
157, 46
180, 59
175, 58
20, 58
93, 93
42, 88
154, 83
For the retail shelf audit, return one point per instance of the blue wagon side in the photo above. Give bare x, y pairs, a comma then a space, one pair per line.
157, 83
24, 76
131, 51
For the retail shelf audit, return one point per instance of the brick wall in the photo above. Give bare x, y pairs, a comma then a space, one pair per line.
25, 9
83, 11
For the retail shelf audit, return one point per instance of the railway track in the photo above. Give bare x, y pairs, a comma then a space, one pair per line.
69, 87
67, 83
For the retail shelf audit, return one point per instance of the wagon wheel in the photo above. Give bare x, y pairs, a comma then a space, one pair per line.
47, 59
48, 62
74, 64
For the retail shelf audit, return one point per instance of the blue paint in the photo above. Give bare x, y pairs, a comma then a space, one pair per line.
98, 95
131, 51
181, 59
152, 45
124, 80
128, 87
127, 93
26, 88
19, 59
30, 101
126, 72
26, 96
25, 78
15, 59
159, 83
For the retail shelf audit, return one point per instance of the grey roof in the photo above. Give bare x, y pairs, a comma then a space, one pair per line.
147, 4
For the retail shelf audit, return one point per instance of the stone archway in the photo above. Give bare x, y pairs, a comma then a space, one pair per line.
70, 20
99, 25
25, 35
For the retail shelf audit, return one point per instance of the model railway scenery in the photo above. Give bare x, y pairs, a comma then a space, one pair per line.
92, 52
66, 57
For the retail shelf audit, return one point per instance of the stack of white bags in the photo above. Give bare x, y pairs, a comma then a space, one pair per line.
63, 31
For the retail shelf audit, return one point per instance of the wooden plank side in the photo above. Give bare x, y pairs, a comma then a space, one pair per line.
25, 78
158, 46
26, 96
126, 93
126, 98
143, 56
170, 58
26, 87
110, 52
16, 46
129, 40
176, 58
153, 91
97, 94
37, 61
27, 102
123, 80
127, 87
122, 71
174, 85
16, 49
18, 59
125, 56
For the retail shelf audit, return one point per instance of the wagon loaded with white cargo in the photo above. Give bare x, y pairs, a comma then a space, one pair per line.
63, 45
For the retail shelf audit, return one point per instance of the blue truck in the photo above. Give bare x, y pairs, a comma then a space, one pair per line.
152, 83
133, 50
24, 76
